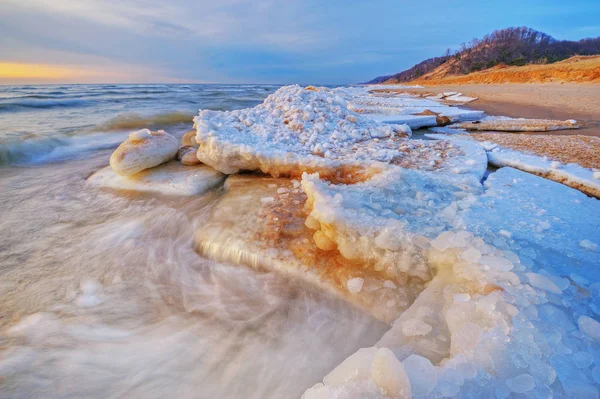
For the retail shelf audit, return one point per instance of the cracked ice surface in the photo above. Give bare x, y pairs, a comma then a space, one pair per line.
513, 303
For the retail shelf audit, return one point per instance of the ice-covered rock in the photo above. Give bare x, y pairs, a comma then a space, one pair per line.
187, 156
143, 149
171, 178
517, 125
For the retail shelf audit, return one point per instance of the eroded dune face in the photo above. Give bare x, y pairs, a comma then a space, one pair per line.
261, 222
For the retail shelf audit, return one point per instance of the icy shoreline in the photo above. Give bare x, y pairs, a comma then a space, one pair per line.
489, 290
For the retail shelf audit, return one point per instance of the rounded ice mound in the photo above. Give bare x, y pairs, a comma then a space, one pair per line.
142, 150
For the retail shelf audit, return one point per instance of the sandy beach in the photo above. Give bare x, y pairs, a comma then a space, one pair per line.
579, 101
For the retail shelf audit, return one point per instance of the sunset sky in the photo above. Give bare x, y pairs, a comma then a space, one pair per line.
242, 41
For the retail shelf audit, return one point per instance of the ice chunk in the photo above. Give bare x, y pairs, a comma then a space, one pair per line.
521, 383
589, 327
583, 360
541, 282
142, 150
357, 366
496, 262
571, 175
389, 374
421, 373
171, 178
587, 244
413, 327
516, 125
355, 284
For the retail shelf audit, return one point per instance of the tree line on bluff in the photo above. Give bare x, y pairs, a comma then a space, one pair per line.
511, 46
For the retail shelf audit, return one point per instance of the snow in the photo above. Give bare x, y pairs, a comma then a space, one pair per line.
171, 178
294, 129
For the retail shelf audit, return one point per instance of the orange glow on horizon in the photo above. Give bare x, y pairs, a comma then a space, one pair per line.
17, 70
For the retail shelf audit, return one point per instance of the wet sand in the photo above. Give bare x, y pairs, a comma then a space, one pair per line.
579, 101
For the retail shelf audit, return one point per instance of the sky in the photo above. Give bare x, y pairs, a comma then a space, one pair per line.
255, 41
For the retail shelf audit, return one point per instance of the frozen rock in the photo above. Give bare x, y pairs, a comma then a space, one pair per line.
143, 150
171, 178
516, 125
187, 156
521, 383
421, 373
589, 327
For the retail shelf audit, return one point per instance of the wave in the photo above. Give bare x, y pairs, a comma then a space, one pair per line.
51, 149
37, 103
136, 121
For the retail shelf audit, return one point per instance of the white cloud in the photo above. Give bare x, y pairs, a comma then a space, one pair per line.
241, 22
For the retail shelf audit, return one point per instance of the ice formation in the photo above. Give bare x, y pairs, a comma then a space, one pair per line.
504, 124
300, 130
261, 222
171, 178
143, 149
572, 175
504, 313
